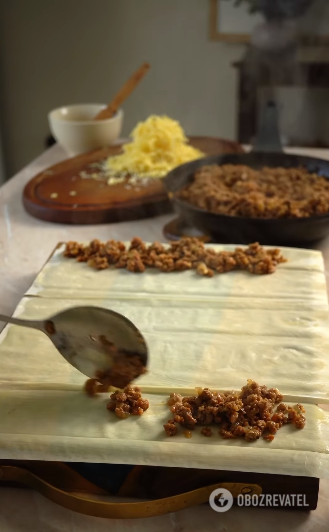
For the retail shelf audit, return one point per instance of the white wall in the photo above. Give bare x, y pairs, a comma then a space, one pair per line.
64, 51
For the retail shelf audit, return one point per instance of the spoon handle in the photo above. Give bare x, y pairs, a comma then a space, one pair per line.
33, 324
123, 94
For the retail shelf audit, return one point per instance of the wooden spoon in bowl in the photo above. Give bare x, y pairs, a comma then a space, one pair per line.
123, 93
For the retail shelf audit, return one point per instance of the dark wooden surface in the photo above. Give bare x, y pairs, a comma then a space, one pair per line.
94, 201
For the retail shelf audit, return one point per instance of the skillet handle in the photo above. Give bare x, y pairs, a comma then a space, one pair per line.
268, 136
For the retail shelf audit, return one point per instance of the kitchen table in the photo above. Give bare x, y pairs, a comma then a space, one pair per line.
25, 244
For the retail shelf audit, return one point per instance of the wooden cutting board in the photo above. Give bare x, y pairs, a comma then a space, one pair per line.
59, 194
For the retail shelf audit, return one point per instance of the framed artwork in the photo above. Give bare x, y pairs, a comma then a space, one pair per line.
231, 23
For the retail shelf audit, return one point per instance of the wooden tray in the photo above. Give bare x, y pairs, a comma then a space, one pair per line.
90, 201
165, 489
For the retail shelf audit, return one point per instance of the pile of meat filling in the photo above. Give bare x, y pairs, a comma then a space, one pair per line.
185, 254
123, 403
254, 412
121, 374
128, 402
238, 190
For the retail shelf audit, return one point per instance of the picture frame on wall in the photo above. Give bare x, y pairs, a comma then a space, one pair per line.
232, 23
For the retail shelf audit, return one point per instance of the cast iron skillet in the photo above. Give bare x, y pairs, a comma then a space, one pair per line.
239, 230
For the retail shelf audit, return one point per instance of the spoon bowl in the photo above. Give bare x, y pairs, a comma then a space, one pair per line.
96, 341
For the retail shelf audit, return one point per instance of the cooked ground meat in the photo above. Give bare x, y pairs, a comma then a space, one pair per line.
206, 431
170, 427
50, 327
92, 387
127, 402
237, 190
249, 414
122, 373
126, 368
186, 254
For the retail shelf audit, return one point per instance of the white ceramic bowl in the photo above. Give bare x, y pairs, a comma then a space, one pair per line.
74, 128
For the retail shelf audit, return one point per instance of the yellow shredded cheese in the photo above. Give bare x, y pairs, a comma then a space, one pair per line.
158, 145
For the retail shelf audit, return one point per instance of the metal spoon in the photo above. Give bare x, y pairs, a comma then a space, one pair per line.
96, 341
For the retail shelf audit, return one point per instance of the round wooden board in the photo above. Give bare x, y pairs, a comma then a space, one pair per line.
59, 194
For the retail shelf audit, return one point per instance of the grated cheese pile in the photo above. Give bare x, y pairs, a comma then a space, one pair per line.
158, 145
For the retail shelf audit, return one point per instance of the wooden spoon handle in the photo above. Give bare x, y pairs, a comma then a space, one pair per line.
123, 93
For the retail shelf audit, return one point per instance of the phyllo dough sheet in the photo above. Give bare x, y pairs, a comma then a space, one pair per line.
301, 278
205, 332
